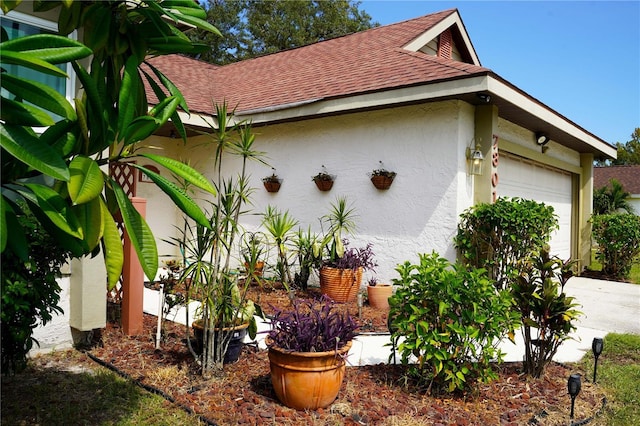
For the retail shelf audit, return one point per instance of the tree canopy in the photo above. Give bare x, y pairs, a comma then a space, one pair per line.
252, 28
628, 153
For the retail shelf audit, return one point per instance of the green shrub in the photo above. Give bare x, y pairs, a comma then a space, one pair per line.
547, 312
495, 236
451, 319
30, 292
618, 239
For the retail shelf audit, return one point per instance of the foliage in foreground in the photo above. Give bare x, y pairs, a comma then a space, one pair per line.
57, 172
452, 320
618, 239
30, 294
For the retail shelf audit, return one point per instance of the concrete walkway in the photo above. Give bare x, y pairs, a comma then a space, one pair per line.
607, 306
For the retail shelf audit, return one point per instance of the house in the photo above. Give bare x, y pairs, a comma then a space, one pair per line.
628, 176
412, 95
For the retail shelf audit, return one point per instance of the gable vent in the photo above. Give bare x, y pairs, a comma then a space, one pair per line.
445, 43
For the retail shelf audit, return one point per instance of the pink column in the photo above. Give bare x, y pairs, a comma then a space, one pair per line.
133, 281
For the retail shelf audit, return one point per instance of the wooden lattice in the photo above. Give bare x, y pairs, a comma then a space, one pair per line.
125, 176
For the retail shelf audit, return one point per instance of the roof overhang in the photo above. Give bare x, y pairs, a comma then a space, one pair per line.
513, 105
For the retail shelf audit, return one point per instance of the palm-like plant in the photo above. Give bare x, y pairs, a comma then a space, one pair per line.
611, 198
340, 221
279, 225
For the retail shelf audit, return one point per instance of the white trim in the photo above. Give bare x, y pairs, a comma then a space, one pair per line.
538, 110
433, 32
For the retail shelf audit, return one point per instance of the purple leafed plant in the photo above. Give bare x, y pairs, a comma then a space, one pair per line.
312, 326
354, 258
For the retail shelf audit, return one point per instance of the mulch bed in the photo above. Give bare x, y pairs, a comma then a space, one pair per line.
371, 395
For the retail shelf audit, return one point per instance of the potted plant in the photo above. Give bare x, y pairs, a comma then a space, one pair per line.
323, 180
234, 318
340, 279
210, 251
341, 267
307, 351
272, 183
382, 178
378, 294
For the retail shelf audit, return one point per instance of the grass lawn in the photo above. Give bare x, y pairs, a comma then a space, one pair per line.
85, 395
619, 375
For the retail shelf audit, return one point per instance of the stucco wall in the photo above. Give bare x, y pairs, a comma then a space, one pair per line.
57, 333
424, 144
634, 200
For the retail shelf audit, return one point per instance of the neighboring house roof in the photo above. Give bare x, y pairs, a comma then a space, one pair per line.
628, 176
382, 67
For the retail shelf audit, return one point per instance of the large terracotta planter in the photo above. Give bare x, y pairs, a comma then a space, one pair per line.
234, 349
307, 380
378, 296
342, 285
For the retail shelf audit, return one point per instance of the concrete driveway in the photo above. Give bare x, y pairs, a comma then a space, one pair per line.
607, 307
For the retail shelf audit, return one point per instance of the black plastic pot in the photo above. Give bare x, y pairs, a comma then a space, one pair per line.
235, 344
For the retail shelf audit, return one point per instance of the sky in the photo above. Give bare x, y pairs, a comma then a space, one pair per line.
580, 58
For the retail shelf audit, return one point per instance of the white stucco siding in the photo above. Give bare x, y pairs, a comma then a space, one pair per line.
634, 200
56, 334
424, 145
162, 214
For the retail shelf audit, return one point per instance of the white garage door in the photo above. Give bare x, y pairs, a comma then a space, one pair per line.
523, 178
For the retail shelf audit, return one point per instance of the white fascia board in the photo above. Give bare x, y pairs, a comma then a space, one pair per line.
414, 94
371, 100
439, 28
502, 90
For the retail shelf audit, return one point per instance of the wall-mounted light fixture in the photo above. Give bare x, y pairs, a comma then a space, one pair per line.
475, 158
485, 98
542, 139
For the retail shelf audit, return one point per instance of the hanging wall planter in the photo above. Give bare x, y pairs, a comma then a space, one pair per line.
382, 178
272, 183
323, 180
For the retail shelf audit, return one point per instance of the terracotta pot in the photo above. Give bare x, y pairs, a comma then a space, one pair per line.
259, 267
378, 296
324, 185
381, 182
342, 285
272, 186
307, 380
234, 349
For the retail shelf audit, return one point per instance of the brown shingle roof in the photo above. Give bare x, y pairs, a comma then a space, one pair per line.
628, 176
363, 62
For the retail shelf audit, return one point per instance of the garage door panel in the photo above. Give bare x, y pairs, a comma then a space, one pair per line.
528, 180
